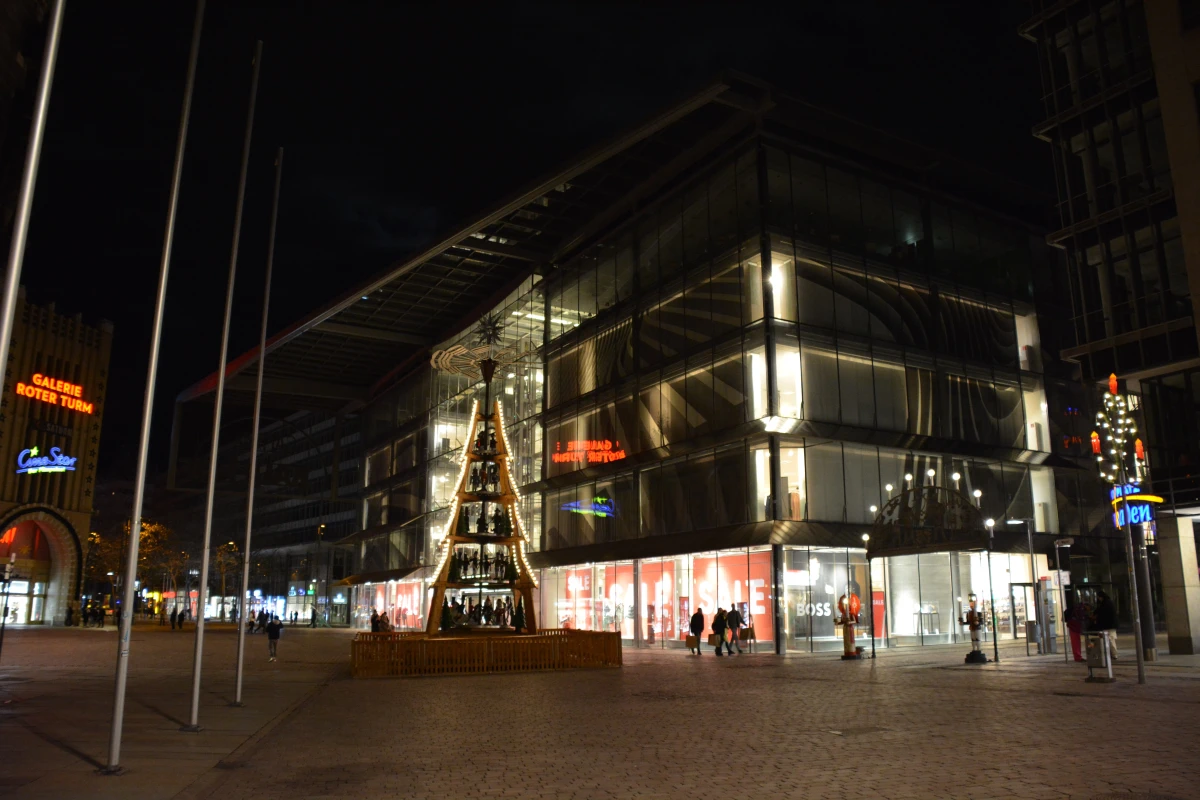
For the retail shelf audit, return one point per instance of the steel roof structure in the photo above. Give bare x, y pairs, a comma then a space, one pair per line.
344, 353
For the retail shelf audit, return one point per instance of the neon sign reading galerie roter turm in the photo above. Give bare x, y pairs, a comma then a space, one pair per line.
31, 461
55, 392
588, 451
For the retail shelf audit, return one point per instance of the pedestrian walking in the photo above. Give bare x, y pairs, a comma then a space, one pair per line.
295, 617
70, 620
162, 613
174, 617
274, 629
719, 629
374, 621
312, 620
696, 626
735, 623
1104, 619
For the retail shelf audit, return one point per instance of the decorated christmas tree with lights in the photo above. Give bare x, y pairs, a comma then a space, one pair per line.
482, 580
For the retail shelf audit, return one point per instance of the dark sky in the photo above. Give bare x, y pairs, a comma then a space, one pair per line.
399, 120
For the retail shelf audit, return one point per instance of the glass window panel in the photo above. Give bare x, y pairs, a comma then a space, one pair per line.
747, 194
726, 297
826, 484
792, 486
810, 200
845, 211
856, 382
788, 376
939, 611
722, 210
779, 190
700, 409
891, 391
727, 486
647, 252
863, 488
674, 504
695, 225
783, 281
878, 228
623, 267
820, 384
729, 394
670, 238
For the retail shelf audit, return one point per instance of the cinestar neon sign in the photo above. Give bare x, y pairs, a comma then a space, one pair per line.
1130, 500
55, 392
31, 461
598, 507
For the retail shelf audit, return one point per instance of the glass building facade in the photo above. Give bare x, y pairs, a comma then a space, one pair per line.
722, 392
764, 356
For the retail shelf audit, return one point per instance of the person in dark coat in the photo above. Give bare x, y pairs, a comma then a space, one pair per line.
718, 627
374, 621
274, 629
1104, 619
735, 622
70, 620
696, 626
174, 617
312, 620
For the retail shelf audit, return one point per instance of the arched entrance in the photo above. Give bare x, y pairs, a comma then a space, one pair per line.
47, 568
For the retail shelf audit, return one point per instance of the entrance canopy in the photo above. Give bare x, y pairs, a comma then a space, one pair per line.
927, 519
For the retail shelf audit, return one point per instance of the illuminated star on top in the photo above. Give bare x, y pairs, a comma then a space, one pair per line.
489, 330
33, 451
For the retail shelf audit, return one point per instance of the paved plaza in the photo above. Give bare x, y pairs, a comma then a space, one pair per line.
912, 724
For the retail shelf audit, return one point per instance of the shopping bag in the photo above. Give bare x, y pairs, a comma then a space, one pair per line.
746, 634
693, 642
713, 640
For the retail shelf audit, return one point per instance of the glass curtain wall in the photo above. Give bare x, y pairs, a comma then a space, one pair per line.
416, 433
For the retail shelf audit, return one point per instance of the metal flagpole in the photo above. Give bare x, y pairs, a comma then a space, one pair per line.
139, 486
262, 357
33, 155
194, 720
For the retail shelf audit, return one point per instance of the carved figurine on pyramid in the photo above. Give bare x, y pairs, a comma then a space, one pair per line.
483, 494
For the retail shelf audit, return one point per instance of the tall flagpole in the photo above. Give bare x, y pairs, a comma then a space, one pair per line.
194, 720
262, 358
139, 491
33, 156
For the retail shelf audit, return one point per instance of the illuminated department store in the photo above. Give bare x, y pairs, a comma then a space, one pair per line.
780, 320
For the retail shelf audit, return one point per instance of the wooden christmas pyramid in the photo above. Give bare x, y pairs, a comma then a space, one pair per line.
483, 551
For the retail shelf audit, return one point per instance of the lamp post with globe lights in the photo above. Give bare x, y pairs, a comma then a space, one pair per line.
1110, 446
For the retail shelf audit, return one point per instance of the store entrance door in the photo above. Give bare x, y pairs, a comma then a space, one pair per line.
1024, 606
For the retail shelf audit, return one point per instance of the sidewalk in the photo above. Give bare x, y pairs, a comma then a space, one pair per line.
913, 723
56, 693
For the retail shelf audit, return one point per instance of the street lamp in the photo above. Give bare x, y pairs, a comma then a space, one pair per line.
931, 473
1118, 426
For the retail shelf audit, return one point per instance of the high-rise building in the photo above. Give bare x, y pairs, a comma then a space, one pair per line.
1121, 92
52, 407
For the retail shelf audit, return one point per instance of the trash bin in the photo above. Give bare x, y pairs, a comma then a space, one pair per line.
1098, 658
1097, 651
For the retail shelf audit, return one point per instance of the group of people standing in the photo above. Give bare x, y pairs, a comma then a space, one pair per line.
726, 628
1080, 617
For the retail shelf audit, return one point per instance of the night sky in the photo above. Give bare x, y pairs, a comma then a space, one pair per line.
399, 121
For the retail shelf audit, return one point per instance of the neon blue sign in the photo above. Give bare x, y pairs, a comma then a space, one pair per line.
598, 507
31, 461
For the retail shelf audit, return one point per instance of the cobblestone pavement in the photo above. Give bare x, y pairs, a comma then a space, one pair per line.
914, 724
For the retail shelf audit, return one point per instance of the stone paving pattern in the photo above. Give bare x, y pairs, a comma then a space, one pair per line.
912, 724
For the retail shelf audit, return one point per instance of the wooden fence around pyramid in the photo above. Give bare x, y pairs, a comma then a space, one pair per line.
484, 545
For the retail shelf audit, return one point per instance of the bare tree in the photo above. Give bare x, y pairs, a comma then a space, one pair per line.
226, 558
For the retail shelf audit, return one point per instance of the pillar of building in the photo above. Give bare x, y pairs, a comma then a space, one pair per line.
1180, 584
